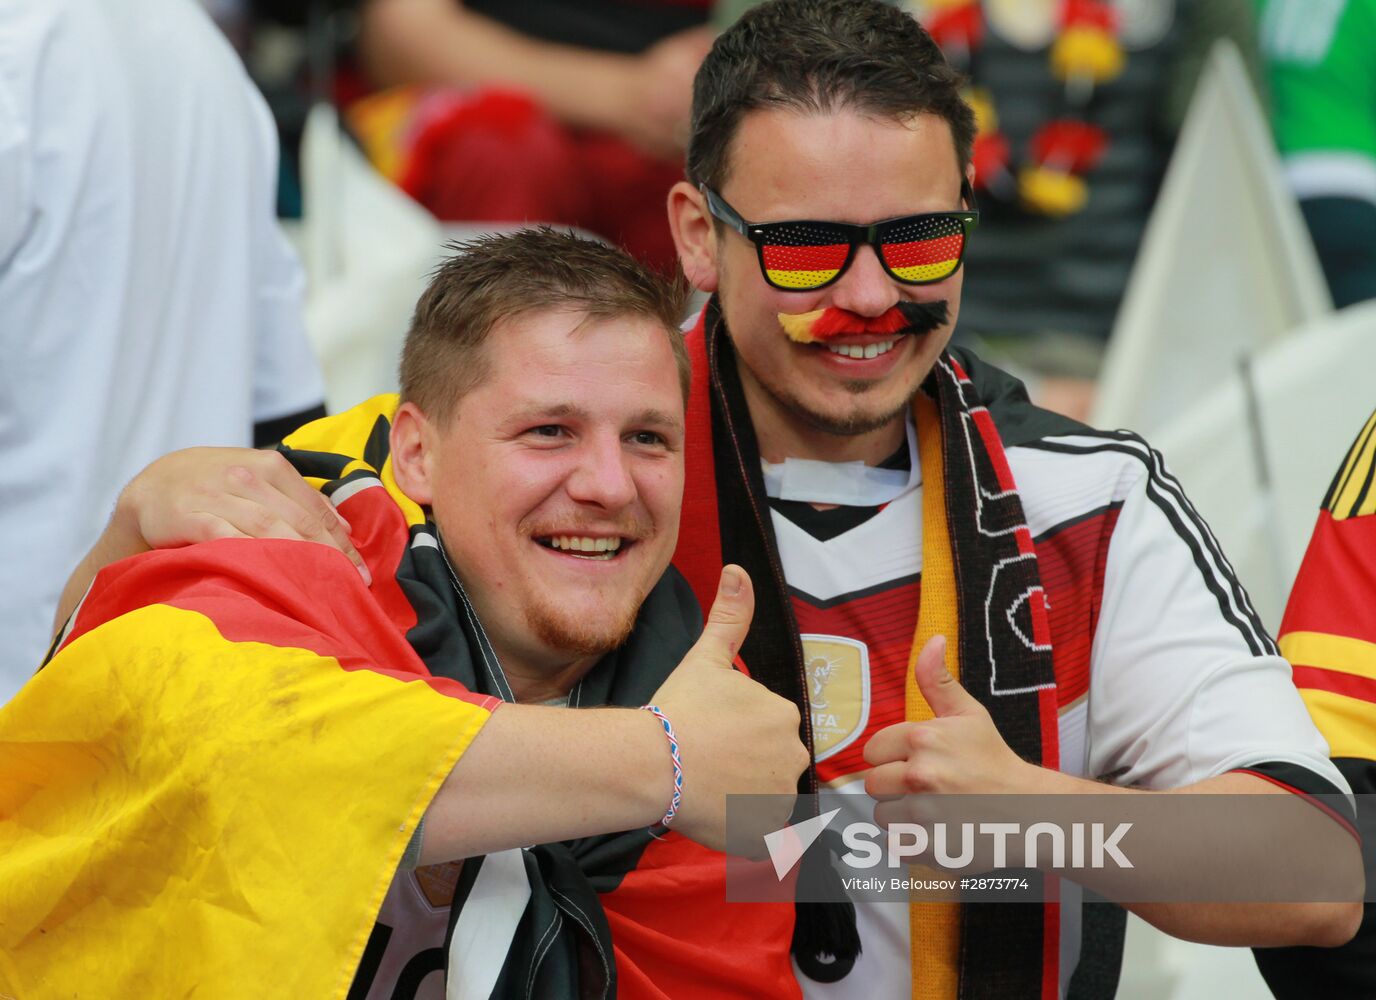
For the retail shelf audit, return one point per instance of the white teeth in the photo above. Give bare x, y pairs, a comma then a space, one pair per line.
584, 543
860, 353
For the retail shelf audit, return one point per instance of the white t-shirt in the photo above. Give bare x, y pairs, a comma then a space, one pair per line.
148, 300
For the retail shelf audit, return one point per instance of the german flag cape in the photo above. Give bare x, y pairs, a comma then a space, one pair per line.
207, 790
1328, 634
980, 587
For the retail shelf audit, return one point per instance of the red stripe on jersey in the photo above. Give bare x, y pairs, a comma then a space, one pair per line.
884, 621
1319, 679
1333, 587
1072, 561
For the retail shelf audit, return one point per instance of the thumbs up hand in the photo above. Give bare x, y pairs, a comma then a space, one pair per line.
958, 752
736, 737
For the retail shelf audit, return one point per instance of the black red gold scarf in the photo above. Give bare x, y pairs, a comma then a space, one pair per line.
980, 587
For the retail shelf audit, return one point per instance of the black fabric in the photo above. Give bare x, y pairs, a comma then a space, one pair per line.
576, 960
269, 432
823, 525
1102, 927
606, 25
772, 649
1350, 970
1344, 232
1307, 782
627, 26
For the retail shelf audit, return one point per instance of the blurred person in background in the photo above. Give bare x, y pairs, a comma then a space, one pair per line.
1329, 635
1078, 103
571, 112
147, 298
1321, 65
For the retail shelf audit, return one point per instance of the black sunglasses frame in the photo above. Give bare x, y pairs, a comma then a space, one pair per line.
857, 236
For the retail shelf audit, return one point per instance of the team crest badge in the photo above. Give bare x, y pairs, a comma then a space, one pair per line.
838, 690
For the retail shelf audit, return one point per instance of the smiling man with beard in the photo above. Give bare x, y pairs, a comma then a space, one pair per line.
235, 741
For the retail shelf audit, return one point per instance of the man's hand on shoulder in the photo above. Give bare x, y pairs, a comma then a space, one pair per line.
735, 736
200, 494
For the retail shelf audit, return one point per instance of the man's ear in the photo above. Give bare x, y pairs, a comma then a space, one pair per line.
694, 235
412, 442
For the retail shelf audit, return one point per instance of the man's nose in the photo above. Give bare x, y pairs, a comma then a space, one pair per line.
603, 474
866, 288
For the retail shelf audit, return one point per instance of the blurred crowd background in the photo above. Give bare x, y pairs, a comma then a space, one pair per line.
1177, 233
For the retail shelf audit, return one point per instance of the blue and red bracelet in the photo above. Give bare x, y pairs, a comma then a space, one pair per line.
678, 763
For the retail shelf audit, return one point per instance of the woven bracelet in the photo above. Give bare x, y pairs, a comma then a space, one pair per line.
678, 763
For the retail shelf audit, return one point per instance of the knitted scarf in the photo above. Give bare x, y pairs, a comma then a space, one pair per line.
980, 588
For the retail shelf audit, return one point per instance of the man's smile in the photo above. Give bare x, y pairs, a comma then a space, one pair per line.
599, 548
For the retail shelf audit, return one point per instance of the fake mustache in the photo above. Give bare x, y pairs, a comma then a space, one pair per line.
827, 324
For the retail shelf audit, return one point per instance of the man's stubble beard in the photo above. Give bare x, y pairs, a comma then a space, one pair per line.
853, 424
580, 638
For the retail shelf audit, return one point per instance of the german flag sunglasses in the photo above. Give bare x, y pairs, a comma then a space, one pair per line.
806, 256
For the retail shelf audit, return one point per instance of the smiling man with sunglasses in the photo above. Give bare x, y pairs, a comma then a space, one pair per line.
885, 490
963, 593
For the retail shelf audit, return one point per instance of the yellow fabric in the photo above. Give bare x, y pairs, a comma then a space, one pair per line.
982, 104
1052, 192
381, 122
1087, 52
346, 434
934, 927
185, 816
1350, 496
1349, 724
1331, 652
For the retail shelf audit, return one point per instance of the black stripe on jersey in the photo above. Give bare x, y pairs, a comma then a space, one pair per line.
1164, 490
1299, 779
1088, 515
1352, 465
370, 962
823, 525
1350, 970
854, 595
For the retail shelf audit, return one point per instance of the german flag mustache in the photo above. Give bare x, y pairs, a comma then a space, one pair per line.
822, 325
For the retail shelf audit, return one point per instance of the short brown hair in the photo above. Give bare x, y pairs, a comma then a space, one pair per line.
817, 56
500, 276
